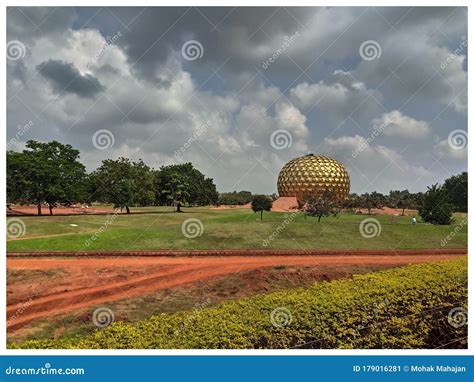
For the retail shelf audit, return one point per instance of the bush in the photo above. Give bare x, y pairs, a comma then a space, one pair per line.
436, 208
399, 308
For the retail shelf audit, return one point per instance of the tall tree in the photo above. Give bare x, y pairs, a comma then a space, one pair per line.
456, 186
400, 199
183, 184
371, 201
123, 183
436, 208
45, 173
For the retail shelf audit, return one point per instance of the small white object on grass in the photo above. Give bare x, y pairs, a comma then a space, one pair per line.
73, 225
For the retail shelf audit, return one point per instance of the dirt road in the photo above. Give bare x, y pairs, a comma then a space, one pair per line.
91, 281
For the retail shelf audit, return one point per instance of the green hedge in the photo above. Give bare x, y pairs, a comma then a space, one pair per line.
398, 308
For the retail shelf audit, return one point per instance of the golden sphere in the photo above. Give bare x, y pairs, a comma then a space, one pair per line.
313, 175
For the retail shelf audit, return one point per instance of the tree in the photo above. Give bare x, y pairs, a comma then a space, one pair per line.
352, 202
436, 208
400, 199
372, 200
261, 203
324, 204
235, 198
45, 173
456, 186
123, 183
183, 184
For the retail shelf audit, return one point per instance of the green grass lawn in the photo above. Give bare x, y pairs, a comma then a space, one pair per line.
233, 228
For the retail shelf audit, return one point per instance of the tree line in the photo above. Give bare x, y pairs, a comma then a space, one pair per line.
51, 173
435, 206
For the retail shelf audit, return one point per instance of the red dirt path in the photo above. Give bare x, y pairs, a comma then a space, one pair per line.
154, 273
17, 210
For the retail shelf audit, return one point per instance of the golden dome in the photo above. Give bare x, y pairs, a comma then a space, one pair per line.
312, 175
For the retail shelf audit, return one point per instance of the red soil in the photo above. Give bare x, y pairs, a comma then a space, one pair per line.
17, 210
284, 204
97, 280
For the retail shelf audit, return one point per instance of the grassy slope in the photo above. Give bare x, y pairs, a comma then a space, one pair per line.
233, 228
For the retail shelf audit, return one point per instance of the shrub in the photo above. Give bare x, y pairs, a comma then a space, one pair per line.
404, 307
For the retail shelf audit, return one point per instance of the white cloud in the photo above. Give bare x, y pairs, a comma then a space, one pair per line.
444, 149
376, 167
395, 123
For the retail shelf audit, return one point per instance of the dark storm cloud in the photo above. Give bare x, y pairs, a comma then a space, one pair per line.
242, 37
64, 77
142, 89
28, 23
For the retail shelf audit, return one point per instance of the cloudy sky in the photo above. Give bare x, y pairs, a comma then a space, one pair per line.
240, 91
